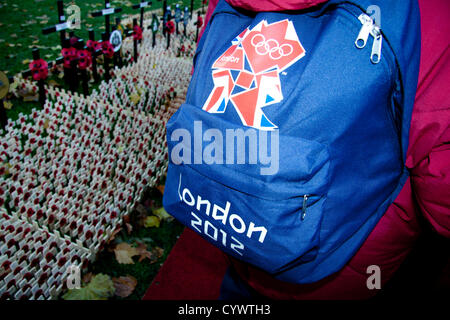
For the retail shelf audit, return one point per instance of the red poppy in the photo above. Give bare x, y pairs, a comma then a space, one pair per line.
137, 32
170, 26
107, 49
39, 69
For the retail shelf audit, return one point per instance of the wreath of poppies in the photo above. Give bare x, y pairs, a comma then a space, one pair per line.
137, 32
84, 59
199, 22
69, 54
93, 45
170, 27
39, 69
107, 49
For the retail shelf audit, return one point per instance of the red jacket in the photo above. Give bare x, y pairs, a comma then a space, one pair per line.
427, 191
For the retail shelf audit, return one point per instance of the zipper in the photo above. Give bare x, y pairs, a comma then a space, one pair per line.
305, 199
370, 28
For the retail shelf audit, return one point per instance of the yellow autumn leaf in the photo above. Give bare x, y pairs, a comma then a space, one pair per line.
46, 123
135, 97
8, 166
13, 86
7, 105
101, 287
162, 214
152, 221
26, 61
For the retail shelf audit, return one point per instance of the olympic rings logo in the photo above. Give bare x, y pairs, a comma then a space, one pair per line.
271, 47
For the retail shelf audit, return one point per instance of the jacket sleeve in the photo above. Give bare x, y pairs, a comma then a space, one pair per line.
429, 144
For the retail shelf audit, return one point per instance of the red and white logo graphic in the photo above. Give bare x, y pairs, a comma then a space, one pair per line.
247, 74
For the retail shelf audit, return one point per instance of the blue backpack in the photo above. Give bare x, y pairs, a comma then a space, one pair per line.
292, 142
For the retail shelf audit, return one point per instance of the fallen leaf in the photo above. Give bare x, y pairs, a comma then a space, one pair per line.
124, 286
135, 98
101, 287
124, 253
161, 188
53, 83
162, 214
144, 253
30, 98
26, 61
158, 252
113, 235
129, 227
151, 221
7, 105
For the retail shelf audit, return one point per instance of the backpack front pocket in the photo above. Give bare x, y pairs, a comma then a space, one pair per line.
271, 221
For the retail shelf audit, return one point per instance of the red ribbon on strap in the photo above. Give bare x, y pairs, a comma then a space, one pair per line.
137, 32
39, 69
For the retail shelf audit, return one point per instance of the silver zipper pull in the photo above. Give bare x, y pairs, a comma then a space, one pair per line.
305, 198
364, 32
375, 56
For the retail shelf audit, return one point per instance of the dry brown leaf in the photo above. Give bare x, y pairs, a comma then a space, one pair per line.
158, 252
161, 188
113, 235
129, 227
53, 83
144, 253
46, 123
29, 98
124, 285
124, 253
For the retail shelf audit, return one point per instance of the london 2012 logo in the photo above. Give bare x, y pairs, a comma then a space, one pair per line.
247, 74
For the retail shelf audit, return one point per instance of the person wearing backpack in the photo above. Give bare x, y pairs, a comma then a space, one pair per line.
370, 220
